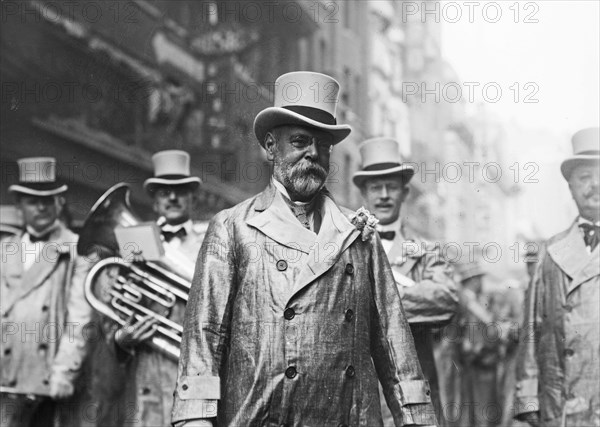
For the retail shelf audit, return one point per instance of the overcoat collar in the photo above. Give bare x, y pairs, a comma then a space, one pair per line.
570, 254
61, 244
276, 221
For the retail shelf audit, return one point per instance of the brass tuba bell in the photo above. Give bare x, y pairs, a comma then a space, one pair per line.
120, 289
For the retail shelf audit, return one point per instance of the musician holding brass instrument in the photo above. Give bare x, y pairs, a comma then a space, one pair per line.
424, 278
151, 373
42, 304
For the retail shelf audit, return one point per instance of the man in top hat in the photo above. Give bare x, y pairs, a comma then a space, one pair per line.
43, 309
293, 313
149, 390
558, 371
429, 295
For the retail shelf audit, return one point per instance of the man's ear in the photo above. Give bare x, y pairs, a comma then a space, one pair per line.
405, 191
60, 203
270, 146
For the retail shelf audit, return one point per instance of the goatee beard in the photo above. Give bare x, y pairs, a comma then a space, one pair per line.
303, 180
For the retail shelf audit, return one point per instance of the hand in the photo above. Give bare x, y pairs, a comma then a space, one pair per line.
133, 333
60, 387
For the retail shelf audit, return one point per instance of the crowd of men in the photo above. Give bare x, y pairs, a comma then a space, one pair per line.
336, 321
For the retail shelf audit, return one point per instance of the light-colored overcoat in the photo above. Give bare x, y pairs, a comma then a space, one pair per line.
558, 369
286, 327
44, 313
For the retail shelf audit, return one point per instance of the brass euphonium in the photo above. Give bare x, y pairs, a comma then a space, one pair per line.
120, 289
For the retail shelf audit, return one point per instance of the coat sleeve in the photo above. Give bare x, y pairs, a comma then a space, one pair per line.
526, 394
72, 347
393, 350
206, 326
434, 299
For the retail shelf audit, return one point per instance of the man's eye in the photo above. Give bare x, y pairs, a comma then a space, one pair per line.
300, 142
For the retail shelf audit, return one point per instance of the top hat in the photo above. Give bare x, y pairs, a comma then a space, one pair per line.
37, 177
380, 157
303, 98
171, 167
586, 149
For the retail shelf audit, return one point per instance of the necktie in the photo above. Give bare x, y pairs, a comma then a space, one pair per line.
170, 235
387, 235
590, 234
302, 212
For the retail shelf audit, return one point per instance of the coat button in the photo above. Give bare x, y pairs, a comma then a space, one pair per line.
289, 313
291, 372
12, 383
349, 315
349, 269
350, 372
145, 391
281, 265
44, 308
184, 387
45, 382
569, 352
7, 351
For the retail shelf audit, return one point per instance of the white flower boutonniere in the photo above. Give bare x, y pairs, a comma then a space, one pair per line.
364, 221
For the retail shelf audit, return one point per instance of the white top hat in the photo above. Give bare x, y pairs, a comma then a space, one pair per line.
303, 98
171, 167
586, 149
37, 177
380, 157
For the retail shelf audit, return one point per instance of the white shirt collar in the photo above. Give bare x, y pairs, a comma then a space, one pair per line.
280, 187
582, 220
162, 223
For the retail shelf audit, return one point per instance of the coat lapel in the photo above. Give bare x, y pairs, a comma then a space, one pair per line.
276, 220
590, 269
40, 270
335, 236
572, 257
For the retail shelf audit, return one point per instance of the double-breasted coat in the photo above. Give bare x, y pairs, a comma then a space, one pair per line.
44, 313
558, 369
429, 302
287, 327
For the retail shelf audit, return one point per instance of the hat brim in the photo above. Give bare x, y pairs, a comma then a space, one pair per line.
151, 183
272, 117
569, 164
40, 192
406, 171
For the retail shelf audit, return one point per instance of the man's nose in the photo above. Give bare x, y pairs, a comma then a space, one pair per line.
312, 150
384, 192
172, 195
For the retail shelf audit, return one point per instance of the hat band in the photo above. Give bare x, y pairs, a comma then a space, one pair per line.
172, 176
41, 186
313, 114
380, 166
589, 153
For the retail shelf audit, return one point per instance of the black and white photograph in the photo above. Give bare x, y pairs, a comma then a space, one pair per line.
312, 213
